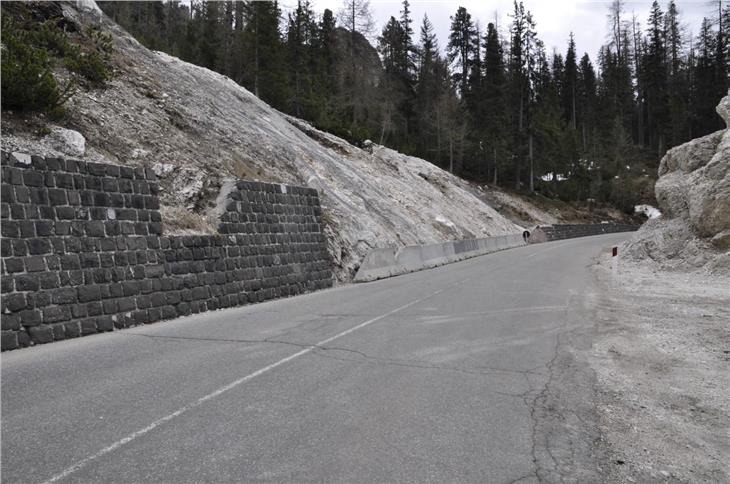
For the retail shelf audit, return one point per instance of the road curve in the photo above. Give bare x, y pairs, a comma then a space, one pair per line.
443, 375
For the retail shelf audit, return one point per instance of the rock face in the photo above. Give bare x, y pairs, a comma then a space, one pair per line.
693, 192
197, 129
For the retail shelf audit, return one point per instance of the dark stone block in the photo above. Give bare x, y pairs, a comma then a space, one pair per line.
154, 314
168, 312
144, 302
89, 261
110, 185
96, 169
73, 197
63, 228
6, 247
31, 317
65, 213
39, 246
113, 170
53, 164
79, 311
57, 196
64, 180
104, 323
44, 212
70, 262
10, 322
94, 308
26, 282
89, 293
33, 178
65, 295
126, 214
9, 229
87, 198
130, 288
102, 199
7, 194
88, 326
72, 330
38, 299
9, 340
14, 176
13, 302
41, 334
23, 339
158, 299
112, 228
27, 228
58, 332
78, 228
126, 304
116, 200
125, 186
53, 262
54, 314
110, 306
95, 229
44, 228
7, 285
140, 228
38, 196
155, 228
35, 264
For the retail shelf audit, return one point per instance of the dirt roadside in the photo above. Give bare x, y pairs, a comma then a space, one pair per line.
661, 356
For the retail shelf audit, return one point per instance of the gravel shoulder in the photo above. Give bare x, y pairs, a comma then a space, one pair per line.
661, 356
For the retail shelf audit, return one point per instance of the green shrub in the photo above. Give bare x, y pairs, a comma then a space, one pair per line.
27, 79
31, 49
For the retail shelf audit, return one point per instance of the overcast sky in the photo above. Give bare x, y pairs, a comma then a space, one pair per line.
555, 18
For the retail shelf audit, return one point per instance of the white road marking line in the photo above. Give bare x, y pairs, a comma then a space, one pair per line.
119, 443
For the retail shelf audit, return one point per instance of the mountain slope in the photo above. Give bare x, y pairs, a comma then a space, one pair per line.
197, 128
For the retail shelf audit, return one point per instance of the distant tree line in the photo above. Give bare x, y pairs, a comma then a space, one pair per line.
493, 107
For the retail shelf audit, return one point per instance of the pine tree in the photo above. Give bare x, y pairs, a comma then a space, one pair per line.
494, 118
460, 49
300, 49
569, 87
655, 80
264, 53
586, 100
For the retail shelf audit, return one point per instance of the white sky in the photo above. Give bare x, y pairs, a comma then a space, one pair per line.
555, 19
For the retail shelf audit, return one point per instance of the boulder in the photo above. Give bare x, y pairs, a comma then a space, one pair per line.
67, 141
693, 194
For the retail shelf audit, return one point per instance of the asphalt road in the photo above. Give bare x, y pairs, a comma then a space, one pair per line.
457, 374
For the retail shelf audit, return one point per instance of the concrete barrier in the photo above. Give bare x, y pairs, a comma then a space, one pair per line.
392, 261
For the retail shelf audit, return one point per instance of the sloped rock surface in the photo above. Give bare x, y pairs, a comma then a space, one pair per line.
197, 129
693, 192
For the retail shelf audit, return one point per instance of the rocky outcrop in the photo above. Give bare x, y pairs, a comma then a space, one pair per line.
693, 192
197, 129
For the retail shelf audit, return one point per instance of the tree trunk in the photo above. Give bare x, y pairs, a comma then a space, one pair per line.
532, 168
495, 166
451, 153
256, 55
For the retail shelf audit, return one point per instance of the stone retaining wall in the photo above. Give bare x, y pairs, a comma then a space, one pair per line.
83, 250
569, 231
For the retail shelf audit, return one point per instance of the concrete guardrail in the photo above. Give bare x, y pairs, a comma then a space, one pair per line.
393, 261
